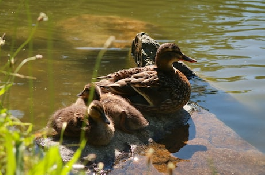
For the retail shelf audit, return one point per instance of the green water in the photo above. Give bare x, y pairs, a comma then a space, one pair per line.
226, 37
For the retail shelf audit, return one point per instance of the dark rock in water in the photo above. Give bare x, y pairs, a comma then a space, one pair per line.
144, 49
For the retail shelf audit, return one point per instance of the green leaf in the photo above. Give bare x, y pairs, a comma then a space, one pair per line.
5, 88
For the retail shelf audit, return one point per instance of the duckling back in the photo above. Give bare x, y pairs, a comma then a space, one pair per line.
72, 115
124, 115
98, 129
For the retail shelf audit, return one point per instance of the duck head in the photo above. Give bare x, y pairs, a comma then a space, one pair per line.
96, 112
168, 53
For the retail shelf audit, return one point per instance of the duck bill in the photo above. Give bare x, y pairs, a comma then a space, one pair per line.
82, 94
186, 58
104, 118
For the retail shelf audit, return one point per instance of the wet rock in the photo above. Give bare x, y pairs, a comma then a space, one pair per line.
124, 146
212, 148
203, 145
217, 149
144, 49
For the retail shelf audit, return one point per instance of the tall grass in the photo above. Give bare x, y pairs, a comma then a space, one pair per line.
18, 153
17, 148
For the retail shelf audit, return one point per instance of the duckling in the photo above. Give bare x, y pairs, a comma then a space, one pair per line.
98, 129
73, 115
125, 117
159, 88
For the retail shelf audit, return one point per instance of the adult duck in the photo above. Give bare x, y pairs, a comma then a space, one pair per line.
159, 88
143, 51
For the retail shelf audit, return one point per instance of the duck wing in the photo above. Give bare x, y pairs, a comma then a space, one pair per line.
163, 89
121, 82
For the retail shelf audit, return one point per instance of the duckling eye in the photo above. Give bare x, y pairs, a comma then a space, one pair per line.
94, 108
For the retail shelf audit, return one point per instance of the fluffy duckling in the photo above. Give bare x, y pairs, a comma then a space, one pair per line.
125, 116
159, 88
73, 115
98, 129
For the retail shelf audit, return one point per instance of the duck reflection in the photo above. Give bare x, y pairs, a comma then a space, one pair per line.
171, 140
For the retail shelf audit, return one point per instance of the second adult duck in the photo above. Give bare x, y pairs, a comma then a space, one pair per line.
157, 88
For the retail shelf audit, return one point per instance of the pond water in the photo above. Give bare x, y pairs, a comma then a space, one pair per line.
227, 39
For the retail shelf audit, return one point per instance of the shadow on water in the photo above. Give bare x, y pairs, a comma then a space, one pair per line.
187, 150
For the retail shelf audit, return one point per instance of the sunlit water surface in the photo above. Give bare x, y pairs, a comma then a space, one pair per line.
226, 37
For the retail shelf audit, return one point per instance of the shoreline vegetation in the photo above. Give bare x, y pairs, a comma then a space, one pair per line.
18, 151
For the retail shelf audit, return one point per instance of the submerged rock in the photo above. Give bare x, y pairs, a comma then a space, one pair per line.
92, 31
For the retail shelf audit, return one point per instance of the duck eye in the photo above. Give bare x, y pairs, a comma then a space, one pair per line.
178, 52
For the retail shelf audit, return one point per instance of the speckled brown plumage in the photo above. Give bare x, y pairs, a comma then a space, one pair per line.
156, 88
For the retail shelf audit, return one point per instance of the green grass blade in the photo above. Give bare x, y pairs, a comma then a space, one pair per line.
67, 168
11, 161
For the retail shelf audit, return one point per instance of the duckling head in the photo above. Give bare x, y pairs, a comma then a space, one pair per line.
96, 112
168, 53
86, 92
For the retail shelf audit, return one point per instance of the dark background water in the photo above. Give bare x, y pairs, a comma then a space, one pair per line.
226, 37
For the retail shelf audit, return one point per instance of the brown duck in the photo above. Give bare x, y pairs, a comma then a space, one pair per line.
159, 88
98, 129
123, 114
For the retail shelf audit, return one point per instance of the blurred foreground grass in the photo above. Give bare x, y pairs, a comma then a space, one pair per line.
18, 151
